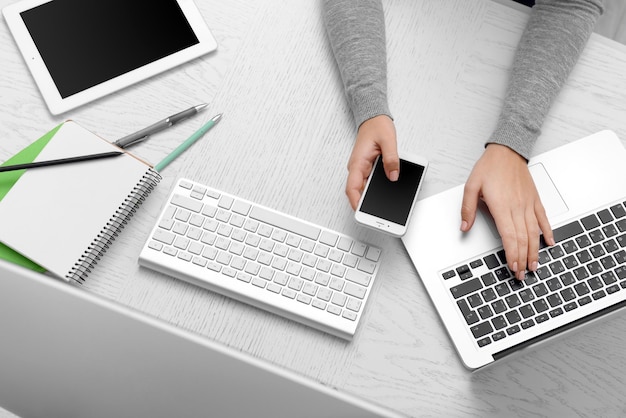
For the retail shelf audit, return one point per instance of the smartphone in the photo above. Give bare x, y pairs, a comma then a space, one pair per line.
386, 205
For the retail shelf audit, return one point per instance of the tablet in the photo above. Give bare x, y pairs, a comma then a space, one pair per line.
79, 51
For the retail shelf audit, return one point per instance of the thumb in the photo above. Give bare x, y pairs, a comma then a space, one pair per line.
391, 161
471, 195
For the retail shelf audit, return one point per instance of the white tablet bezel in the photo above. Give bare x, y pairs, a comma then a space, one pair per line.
57, 104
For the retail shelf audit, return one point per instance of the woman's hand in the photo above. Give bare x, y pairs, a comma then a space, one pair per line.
375, 136
502, 179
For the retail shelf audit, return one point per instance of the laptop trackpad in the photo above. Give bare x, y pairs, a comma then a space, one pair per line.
550, 197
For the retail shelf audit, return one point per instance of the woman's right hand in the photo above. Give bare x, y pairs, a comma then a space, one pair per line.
375, 136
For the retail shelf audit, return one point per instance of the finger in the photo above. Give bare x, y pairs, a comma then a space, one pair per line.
354, 186
391, 161
533, 241
544, 223
519, 256
471, 194
507, 230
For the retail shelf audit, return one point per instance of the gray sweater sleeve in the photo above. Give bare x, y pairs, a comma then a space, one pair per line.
550, 46
556, 34
356, 30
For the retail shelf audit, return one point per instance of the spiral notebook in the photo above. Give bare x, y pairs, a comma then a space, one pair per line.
62, 218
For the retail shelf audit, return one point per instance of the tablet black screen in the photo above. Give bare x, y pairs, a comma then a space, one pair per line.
85, 43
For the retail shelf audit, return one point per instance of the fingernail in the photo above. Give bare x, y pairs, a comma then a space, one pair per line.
393, 176
515, 266
534, 266
464, 226
521, 275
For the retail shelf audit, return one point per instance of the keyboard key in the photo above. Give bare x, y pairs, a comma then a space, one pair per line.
491, 261
527, 311
526, 295
498, 336
583, 241
187, 203
513, 317
540, 305
499, 306
612, 289
292, 225
512, 301
605, 216
484, 341
581, 289
503, 273
554, 300
474, 300
502, 289
618, 211
488, 279
481, 330
596, 235
464, 272
599, 294
556, 252
466, 288
544, 257
567, 279
570, 246
476, 263
540, 290
568, 231
488, 294
568, 294
570, 306
499, 322
513, 330
556, 312
590, 222
485, 312
595, 283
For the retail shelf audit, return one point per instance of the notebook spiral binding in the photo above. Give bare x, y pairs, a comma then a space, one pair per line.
107, 235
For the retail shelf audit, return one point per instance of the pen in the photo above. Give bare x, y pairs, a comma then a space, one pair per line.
60, 161
182, 147
139, 136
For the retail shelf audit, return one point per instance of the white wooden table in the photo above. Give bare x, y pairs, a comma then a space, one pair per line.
284, 142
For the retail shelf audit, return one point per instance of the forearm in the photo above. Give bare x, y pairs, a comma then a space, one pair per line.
356, 30
554, 38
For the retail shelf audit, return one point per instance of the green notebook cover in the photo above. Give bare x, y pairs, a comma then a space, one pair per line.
8, 179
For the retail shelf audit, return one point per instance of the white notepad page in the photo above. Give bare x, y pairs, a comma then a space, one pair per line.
53, 214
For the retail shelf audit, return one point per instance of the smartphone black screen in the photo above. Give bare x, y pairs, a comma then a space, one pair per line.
390, 200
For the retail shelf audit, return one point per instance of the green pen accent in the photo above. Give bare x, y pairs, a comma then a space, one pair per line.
189, 142
8, 179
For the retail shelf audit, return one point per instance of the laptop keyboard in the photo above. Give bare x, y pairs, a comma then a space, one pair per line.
587, 263
257, 255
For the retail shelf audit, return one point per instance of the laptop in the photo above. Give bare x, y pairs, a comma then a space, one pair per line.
68, 353
486, 312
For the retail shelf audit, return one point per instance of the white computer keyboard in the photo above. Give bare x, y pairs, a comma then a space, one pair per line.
259, 256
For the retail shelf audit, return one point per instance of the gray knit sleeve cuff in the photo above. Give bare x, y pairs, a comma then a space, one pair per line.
368, 105
516, 136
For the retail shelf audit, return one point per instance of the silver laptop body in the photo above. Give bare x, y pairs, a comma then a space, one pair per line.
66, 353
576, 180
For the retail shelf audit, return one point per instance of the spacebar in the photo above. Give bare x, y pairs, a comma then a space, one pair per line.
281, 221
